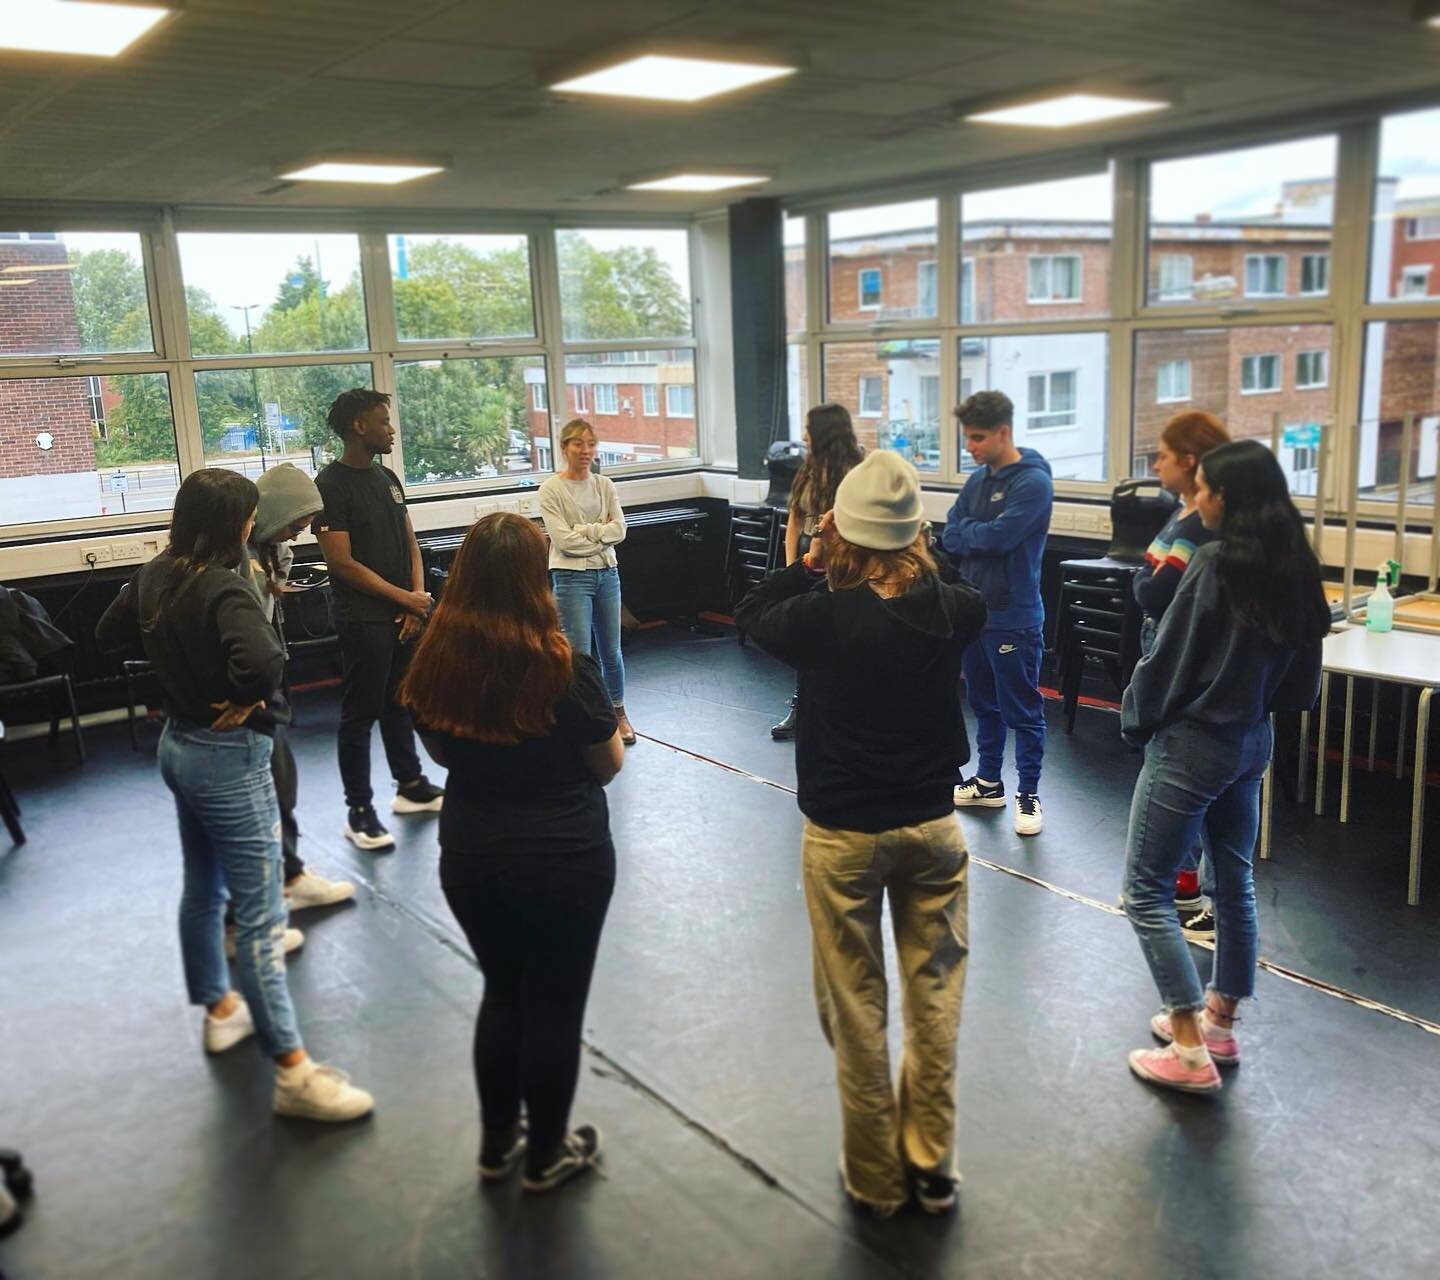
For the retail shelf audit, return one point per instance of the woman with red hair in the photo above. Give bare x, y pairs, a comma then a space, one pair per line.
527, 730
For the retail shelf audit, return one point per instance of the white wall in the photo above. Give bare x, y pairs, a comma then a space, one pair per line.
715, 387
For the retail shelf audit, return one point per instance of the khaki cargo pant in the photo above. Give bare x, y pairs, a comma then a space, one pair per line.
923, 870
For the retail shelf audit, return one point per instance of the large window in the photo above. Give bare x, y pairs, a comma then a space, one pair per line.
1057, 383
73, 293
462, 287
1238, 374
1401, 379
624, 284
472, 419
882, 263
254, 418
626, 429
797, 388
272, 294
1239, 216
1405, 231
1039, 252
793, 237
892, 390
56, 465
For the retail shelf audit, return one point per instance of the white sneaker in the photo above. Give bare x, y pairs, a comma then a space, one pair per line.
976, 791
324, 1093
294, 940
1029, 820
309, 890
226, 1033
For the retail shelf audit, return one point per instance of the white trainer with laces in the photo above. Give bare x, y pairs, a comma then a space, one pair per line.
311, 890
321, 1093
226, 1033
1029, 820
294, 940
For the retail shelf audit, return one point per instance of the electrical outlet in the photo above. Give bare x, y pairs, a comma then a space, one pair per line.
510, 505
99, 554
529, 504
1062, 519
483, 509
1089, 521
127, 550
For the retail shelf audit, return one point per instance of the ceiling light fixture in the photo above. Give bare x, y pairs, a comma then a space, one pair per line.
383, 172
75, 26
1068, 110
698, 180
1428, 12
667, 78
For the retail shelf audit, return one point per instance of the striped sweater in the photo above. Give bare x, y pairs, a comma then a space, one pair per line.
1166, 560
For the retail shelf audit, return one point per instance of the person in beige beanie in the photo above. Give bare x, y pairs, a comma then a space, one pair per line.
877, 638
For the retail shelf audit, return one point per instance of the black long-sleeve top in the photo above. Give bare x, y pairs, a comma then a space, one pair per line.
211, 643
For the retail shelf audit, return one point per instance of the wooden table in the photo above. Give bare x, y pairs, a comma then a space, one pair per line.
1410, 659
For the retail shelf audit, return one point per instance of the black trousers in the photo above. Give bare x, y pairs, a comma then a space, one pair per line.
534, 924
287, 792
374, 664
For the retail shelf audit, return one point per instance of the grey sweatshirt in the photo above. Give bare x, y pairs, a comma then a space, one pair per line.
1208, 671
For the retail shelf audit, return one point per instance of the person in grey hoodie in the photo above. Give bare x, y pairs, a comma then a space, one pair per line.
289, 501
878, 638
995, 534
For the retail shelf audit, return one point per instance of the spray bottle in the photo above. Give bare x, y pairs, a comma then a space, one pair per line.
1380, 607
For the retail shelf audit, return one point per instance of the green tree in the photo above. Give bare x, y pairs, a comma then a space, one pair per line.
454, 292
618, 293
315, 322
458, 416
302, 282
109, 288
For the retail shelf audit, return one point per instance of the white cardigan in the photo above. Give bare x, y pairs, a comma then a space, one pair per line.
575, 543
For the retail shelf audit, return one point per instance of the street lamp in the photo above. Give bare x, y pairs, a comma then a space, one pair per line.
255, 414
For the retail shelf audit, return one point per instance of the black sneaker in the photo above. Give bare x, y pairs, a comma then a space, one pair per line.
578, 1153
500, 1152
934, 1192
976, 791
785, 730
363, 829
1198, 926
420, 796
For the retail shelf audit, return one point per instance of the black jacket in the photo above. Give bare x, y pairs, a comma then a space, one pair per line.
211, 644
879, 730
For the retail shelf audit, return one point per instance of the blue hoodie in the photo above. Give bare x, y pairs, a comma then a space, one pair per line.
996, 535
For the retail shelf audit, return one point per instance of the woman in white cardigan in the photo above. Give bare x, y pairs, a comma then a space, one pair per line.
585, 522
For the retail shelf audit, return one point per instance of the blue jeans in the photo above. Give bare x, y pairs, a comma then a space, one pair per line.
589, 604
230, 841
1195, 859
1002, 685
1195, 779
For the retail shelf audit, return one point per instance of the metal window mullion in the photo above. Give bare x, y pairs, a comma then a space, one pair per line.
1129, 230
549, 325
185, 409
630, 344
410, 352
947, 308
817, 252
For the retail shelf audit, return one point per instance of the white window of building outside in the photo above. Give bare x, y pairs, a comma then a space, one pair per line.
651, 395
868, 289
679, 401
1054, 278
872, 397
577, 389
1315, 274
607, 399
1264, 275
1415, 282
926, 286
1259, 374
1177, 276
539, 397
1172, 381
1312, 370
1052, 400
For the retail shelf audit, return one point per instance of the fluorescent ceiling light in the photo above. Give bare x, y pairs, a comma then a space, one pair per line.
699, 182
671, 79
347, 171
39, 266
1067, 110
74, 26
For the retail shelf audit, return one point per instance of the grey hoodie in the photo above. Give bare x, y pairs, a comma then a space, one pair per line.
287, 494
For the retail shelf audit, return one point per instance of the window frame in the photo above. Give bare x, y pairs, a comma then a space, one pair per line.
1324, 364
612, 398
649, 399
1163, 294
1048, 376
860, 274
1160, 368
679, 386
1279, 366
1049, 260
867, 381
1305, 260
1263, 259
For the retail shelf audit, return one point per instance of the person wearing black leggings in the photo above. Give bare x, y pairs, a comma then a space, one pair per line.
529, 734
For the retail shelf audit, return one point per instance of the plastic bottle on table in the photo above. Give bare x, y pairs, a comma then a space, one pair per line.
1380, 607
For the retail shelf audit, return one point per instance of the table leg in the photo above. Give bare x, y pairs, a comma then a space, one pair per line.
1400, 741
1302, 772
1320, 744
1345, 756
1417, 803
1267, 798
1374, 720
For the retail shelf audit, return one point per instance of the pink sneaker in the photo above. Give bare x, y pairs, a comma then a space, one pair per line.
1221, 1042
1165, 1068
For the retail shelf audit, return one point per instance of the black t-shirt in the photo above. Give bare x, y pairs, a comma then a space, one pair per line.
536, 796
368, 504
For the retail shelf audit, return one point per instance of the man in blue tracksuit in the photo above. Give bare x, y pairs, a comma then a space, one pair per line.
996, 535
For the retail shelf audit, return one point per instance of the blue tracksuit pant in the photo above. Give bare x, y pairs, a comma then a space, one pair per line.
1002, 685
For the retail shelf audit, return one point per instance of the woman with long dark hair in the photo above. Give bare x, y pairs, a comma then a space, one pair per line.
217, 660
1242, 638
1186, 438
832, 453
528, 731
875, 761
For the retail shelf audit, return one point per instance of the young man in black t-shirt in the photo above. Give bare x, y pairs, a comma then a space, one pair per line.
376, 574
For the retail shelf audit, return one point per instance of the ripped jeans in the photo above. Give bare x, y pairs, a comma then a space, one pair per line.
230, 842
1196, 779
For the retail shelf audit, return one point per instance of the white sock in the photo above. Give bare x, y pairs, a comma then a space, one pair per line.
1192, 1055
1211, 1029
985, 782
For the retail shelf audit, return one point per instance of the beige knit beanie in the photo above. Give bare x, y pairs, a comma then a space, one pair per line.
877, 505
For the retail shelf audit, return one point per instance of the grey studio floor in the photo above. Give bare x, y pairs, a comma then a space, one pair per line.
704, 1065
